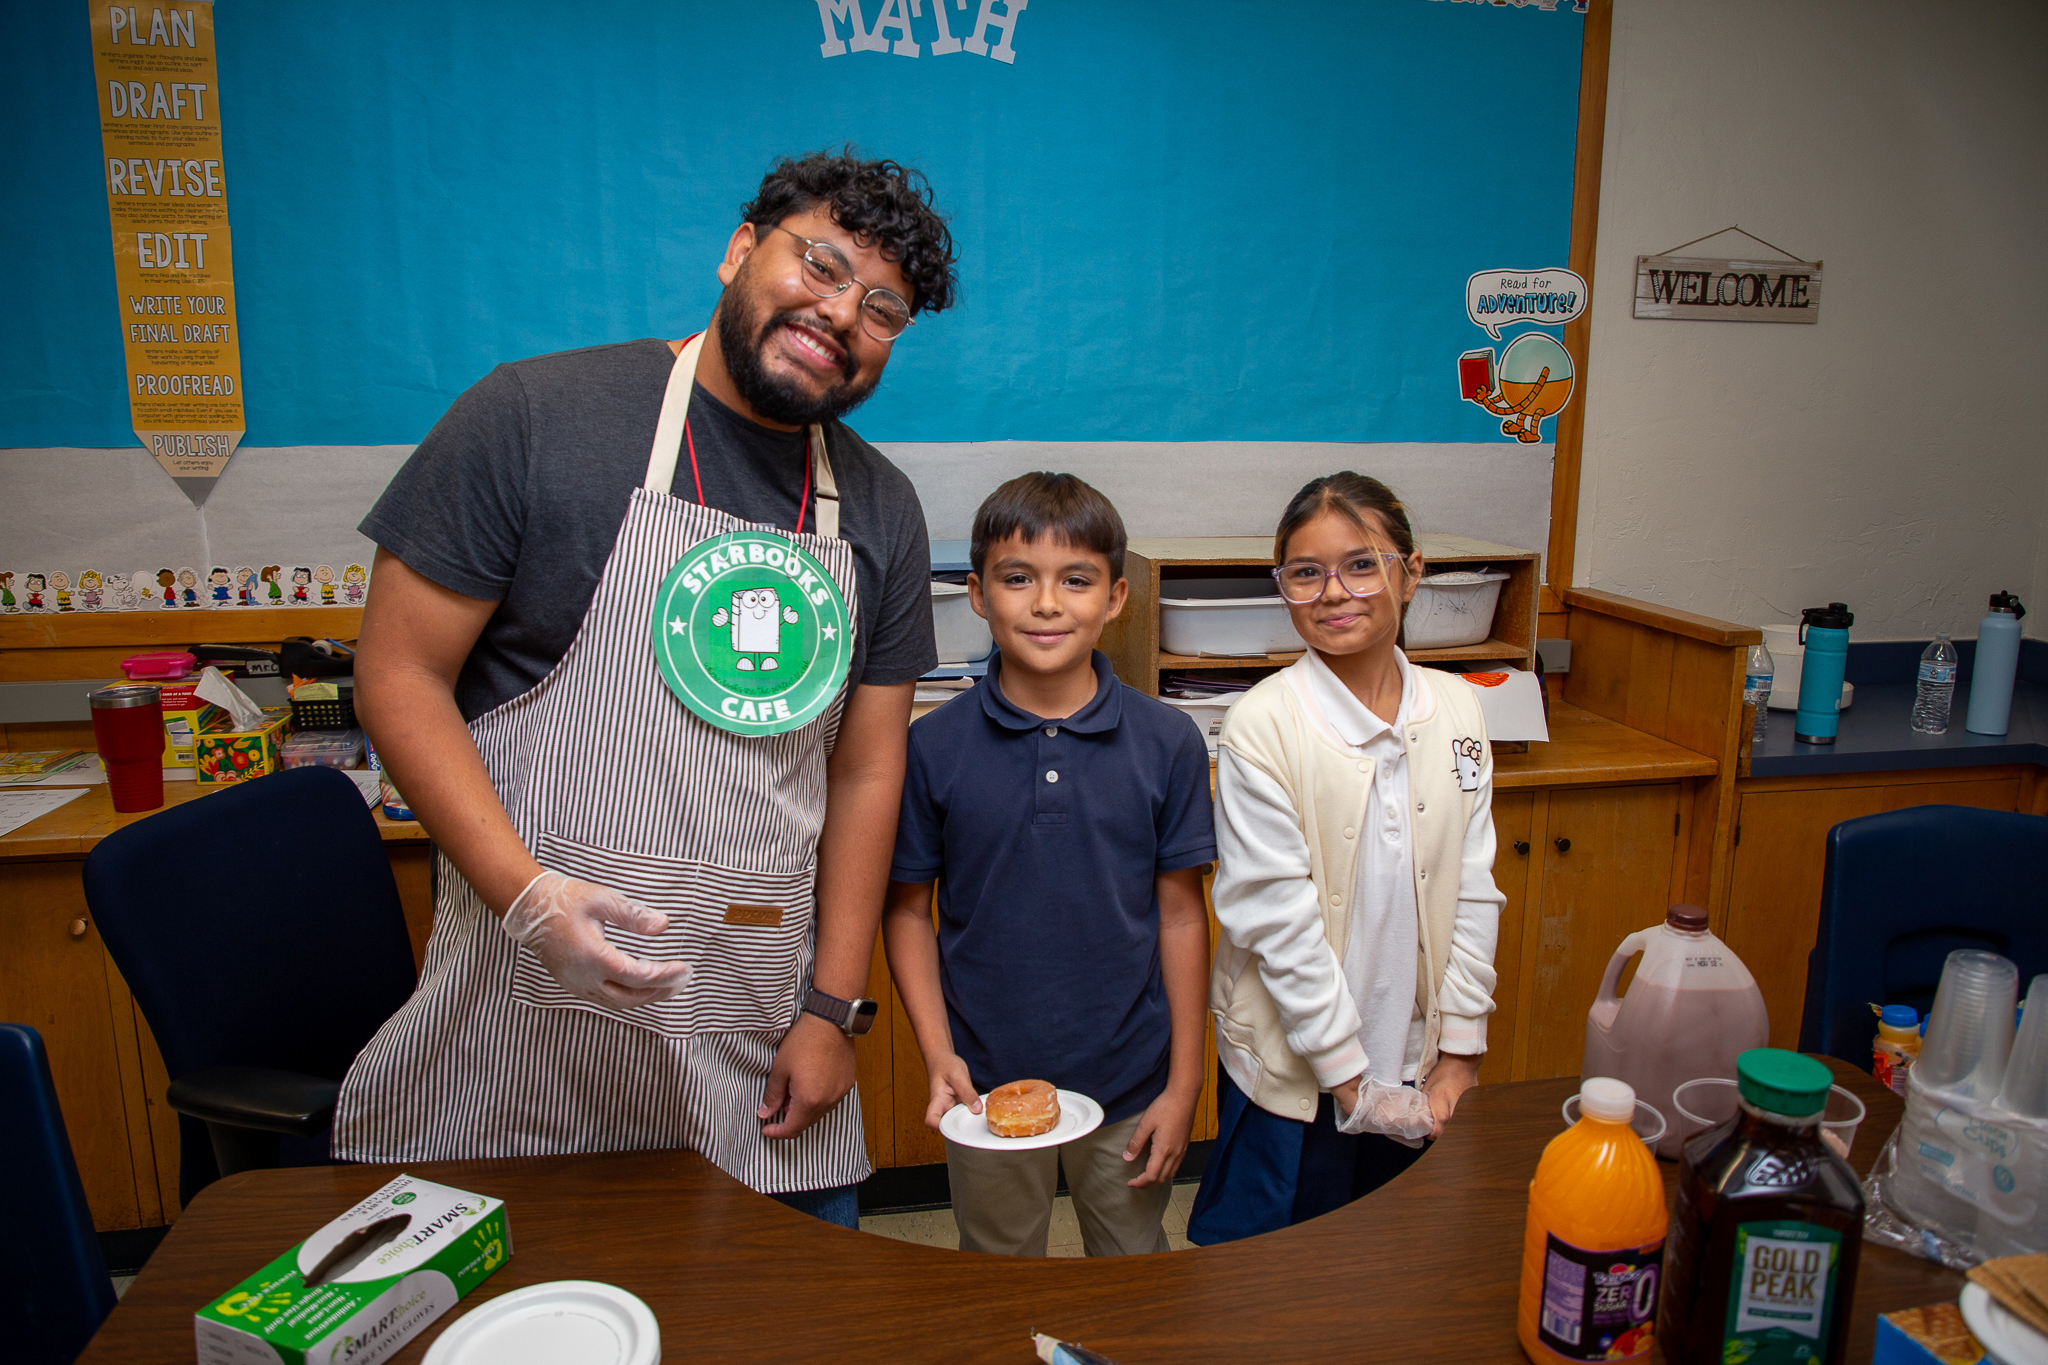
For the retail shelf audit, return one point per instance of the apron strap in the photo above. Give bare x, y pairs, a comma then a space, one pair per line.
668, 440
675, 407
828, 487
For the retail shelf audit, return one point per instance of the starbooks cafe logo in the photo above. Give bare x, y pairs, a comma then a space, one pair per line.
751, 633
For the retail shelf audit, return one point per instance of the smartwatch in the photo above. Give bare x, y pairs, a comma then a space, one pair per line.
851, 1017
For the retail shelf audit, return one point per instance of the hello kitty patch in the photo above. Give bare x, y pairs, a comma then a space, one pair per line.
1468, 754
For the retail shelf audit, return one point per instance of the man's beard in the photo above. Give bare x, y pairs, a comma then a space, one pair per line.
780, 400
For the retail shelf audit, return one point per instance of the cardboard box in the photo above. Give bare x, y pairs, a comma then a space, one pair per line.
182, 729
224, 754
384, 1270
1935, 1335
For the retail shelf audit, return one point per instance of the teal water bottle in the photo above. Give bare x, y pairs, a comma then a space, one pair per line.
1824, 631
1998, 659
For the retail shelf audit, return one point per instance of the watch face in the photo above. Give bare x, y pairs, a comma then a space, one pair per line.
863, 1017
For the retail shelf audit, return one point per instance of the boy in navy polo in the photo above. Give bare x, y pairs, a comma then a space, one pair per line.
1066, 820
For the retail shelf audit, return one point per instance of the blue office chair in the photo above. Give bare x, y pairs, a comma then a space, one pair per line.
1904, 889
261, 933
56, 1291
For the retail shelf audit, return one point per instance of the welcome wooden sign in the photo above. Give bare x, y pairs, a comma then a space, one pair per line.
1715, 289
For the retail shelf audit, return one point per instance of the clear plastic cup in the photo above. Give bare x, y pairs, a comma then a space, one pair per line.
2025, 1089
1713, 1100
1839, 1121
1705, 1103
1970, 1028
1647, 1122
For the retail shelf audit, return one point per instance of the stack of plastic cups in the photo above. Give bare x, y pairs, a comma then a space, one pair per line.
2025, 1096
1969, 1038
1970, 1029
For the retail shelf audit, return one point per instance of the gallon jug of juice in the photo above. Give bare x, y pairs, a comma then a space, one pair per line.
1691, 1010
1594, 1245
1768, 1228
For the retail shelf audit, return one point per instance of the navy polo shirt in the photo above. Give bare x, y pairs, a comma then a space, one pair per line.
1044, 838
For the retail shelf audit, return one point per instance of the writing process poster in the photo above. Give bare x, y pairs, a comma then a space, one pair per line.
156, 81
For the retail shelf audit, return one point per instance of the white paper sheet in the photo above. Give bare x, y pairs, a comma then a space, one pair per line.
18, 807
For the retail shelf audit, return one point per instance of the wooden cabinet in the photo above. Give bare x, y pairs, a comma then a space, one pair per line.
1514, 856
56, 978
1608, 858
1781, 836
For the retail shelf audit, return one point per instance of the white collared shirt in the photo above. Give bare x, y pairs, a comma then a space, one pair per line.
1379, 958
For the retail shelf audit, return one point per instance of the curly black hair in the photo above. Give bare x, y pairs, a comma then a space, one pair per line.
878, 202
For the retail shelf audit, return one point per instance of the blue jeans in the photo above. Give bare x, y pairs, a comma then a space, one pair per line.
838, 1204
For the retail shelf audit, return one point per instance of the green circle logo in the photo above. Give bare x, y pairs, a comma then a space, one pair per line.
751, 633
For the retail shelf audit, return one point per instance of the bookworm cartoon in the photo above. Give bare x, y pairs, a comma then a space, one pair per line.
1535, 381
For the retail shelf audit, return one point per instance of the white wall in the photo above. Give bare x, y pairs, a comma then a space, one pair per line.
1891, 456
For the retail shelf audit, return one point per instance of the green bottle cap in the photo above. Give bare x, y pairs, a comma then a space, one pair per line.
1783, 1082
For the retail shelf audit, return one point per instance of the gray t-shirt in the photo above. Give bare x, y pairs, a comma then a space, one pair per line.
517, 494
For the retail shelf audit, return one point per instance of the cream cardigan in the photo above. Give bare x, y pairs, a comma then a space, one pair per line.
1273, 1042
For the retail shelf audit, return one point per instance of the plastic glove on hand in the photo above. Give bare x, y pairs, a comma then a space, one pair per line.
1397, 1111
562, 921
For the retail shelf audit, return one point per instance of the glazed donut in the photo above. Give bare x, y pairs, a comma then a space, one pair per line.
1023, 1109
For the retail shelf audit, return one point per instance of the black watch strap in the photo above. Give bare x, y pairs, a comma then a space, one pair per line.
851, 1017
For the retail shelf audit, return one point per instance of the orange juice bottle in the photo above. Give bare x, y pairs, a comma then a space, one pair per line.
1593, 1254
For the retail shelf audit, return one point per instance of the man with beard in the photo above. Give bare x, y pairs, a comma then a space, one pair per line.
640, 655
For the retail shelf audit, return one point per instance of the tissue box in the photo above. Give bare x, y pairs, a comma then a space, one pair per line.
386, 1268
225, 754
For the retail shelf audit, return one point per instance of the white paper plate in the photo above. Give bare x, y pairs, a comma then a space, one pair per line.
2007, 1339
545, 1324
1079, 1116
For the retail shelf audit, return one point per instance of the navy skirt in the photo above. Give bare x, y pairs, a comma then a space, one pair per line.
1266, 1172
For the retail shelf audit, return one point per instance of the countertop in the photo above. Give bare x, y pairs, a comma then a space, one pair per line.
1877, 735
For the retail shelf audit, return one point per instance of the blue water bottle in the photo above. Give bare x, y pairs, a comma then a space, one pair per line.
1998, 659
1824, 631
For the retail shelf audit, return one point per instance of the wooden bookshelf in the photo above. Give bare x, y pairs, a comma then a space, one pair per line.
1132, 640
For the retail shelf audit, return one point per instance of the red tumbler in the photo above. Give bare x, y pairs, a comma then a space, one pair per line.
128, 722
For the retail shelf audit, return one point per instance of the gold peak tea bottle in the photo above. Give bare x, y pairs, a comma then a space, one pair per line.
1762, 1261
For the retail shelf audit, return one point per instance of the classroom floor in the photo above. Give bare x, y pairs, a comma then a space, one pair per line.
935, 1227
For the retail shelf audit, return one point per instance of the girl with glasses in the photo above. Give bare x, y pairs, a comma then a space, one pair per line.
1354, 885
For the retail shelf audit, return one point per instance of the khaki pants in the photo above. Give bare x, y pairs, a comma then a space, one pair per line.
1002, 1201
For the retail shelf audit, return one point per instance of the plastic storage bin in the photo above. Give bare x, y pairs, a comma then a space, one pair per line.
1224, 616
963, 636
323, 748
1452, 609
1206, 713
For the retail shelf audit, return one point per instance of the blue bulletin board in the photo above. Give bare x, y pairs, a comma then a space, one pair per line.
1190, 221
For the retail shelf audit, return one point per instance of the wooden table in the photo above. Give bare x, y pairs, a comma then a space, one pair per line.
1426, 1268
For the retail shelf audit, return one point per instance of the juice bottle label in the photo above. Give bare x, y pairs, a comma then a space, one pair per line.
1781, 1292
1599, 1305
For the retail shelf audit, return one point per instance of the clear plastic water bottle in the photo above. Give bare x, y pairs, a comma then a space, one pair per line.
1937, 686
1756, 688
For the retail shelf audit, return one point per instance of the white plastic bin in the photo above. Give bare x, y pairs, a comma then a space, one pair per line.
1452, 609
963, 636
1207, 714
1226, 617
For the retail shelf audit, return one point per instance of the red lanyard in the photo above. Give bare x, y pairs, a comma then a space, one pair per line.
802, 502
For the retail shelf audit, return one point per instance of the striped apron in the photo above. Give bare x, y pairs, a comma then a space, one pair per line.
609, 778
